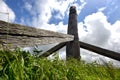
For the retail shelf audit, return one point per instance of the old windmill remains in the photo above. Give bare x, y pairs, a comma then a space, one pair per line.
15, 35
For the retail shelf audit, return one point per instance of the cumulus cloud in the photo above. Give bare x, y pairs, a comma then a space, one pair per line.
97, 32
114, 41
6, 13
42, 12
100, 33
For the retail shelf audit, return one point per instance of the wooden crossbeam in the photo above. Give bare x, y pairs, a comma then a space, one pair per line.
54, 49
15, 35
98, 50
101, 51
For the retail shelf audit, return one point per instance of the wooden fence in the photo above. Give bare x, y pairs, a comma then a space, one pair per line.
15, 35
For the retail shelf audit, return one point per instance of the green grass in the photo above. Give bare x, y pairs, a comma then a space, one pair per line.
21, 65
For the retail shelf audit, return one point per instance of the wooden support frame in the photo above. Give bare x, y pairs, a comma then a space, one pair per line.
97, 50
18, 35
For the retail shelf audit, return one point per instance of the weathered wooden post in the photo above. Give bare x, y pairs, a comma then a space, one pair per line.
73, 47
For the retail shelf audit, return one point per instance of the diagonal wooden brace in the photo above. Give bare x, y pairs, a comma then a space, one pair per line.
98, 50
101, 51
53, 49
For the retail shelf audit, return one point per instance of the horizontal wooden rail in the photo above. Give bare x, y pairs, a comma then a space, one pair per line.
16, 35
101, 51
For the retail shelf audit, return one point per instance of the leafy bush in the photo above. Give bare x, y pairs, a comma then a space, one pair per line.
21, 65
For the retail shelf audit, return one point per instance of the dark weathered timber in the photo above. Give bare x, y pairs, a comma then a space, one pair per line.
54, 49
101, 51
15, 35
73, 47
97, 50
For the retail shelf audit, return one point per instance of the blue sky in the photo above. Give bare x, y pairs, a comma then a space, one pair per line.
112, 9
98, 20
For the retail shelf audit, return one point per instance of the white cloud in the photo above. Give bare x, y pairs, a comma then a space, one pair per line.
100, 33
79, 8
6, 13
60, 6
97, 29
28, 6
43, 12
81, 31
114, 42
102, 9
57, 28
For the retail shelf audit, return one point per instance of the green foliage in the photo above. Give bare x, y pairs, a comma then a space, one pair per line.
21, 65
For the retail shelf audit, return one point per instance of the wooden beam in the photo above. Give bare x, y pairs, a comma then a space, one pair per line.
97, 50
101, 51
54, 49
73, 47
16, 35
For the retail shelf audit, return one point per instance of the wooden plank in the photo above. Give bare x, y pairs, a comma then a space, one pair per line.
73, 47
54, 49
16, 35
101, 51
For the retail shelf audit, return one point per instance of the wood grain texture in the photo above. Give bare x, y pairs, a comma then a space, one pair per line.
16, 35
